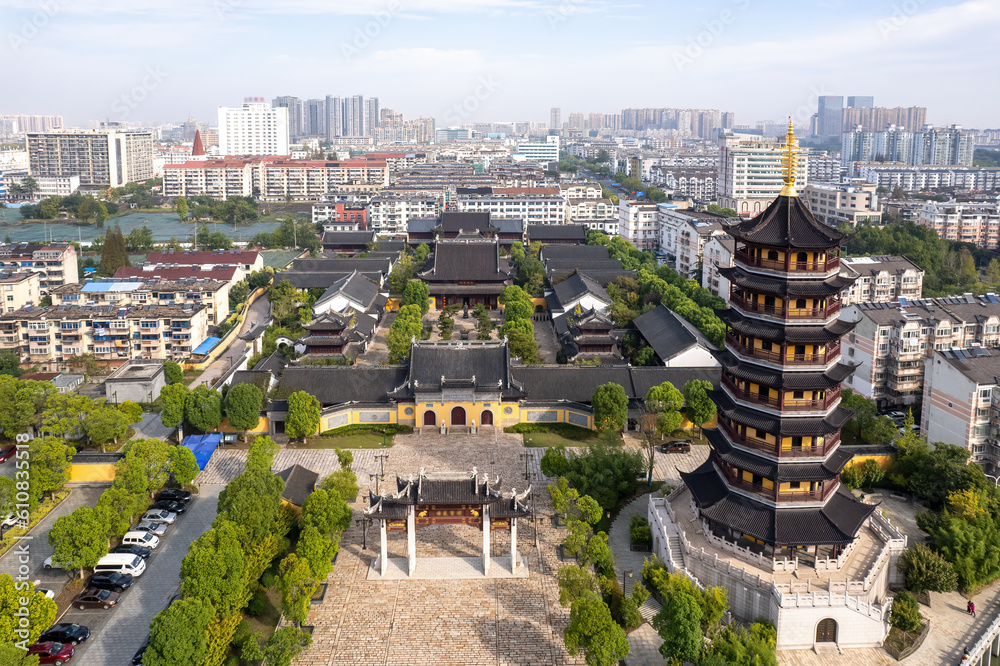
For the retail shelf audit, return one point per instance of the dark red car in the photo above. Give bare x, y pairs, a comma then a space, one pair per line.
7, 452
52, 653
94, 598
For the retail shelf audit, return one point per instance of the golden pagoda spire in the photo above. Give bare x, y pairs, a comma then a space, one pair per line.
791, 162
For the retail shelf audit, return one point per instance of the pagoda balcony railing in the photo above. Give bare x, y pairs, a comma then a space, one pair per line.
775, 449
772, 494
735, 481
831, 354
819, 267
783, 312
784, 403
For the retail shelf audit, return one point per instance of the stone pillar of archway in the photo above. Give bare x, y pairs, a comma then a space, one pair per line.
383, 561
486, 539
411, 540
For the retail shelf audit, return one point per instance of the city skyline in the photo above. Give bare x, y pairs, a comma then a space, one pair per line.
434, 57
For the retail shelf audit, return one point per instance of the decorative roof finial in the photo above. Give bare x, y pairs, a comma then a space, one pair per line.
791, 162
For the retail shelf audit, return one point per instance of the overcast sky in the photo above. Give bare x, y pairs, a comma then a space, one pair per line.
499, 59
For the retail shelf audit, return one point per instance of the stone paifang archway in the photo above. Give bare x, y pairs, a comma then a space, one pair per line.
443, 499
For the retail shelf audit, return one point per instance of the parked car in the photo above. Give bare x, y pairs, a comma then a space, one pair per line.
49, 564
159, 516
96, 599
48, 593
7, 452
680, 446
171, 506
118, 582
52, 653
137, 658
159, 529
897, 416
8, 522
141, 551
74, 634
174, 494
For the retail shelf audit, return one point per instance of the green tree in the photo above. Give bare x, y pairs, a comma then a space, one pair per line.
417, 293
178, 635
404, 271
131, 410
993, 272
282, 647
51, 464
591, 628
10, 364
214, 570
698, 407
105, 425
905, 613
22, 400
261, 454
574, 580
741, 646
610, 405
303, 416
524, 346
251, 501
79, 539
926, 570
174, 400
145, 467
325, 511
679, 625
183, 464
41, 611
297, 585
203, 408
343, 484
66, 413
665, 402
243, 407
174, 372
181, 206
118, 506
114, 254
318, 550
404, 329
11, 655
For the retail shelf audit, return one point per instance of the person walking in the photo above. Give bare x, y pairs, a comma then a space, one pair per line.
971, 608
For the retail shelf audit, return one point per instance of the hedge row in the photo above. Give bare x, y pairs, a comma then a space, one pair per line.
389, 428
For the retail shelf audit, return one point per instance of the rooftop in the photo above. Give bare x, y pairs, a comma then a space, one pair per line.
668, 334
137, 369
979, 364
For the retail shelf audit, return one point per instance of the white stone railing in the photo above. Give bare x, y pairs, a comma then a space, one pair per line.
835, 564
832, 600
887, 531
747, 555
985, 640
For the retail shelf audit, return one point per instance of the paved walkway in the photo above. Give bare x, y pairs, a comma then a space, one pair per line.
548, 345
626, 559
855, 657
259, 311
378, 350
952, 629
446, 568
644, 647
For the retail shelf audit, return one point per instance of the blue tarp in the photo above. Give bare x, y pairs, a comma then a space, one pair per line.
202, 446
207, 345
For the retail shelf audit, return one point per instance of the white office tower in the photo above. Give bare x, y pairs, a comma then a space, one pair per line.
253, 129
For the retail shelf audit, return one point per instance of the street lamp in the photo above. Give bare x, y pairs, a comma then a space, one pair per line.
528, 476
625, 575
364, 532
996, 480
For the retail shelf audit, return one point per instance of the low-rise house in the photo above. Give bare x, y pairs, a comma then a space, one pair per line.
676, 342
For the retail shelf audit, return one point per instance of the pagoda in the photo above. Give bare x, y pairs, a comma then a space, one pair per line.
771, 483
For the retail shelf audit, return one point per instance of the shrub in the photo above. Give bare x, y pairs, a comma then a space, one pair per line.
243, 631
268, 579
926, 570
345, 457
390, 428
258, 605
905, 614
640, 531
639, 593
567, 430
231, 660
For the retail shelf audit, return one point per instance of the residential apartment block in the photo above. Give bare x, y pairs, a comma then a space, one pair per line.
683, 234
390, 213
56, 263
255, 128
961, 401
892, 340
929, 145
583, 210
916, 178
977, 223
695, 182
881, 279
107, 158
750, 174
833, 203
718, 251
638, 223
211, 293
48, 186
19, 290
534, 205
112, 334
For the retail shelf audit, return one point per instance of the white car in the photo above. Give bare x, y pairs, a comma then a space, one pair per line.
9, 522
48, 593
159, 516
49, 564
159, 529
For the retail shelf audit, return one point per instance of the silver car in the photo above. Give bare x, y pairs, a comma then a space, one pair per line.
159, 529
160, 516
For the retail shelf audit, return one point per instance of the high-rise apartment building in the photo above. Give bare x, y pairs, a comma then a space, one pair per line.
334, 117
860, 101
750, 174
294, 106
354, 116
976, 223
108, 158
555, 119
930, 145
314, 117
372, 116
829, 115
253, 129
19, 123
576, 120
879, 118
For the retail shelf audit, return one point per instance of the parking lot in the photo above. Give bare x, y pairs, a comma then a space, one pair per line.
118, 632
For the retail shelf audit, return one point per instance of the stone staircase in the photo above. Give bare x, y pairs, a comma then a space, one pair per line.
649, 609
676, 553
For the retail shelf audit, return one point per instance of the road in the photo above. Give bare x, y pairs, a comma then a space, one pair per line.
38, 545
259, 311
117, 633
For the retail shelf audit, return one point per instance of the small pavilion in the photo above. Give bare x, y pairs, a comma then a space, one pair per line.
448, 499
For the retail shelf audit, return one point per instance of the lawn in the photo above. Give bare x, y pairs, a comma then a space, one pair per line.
358, 440
547, 439
191, 376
